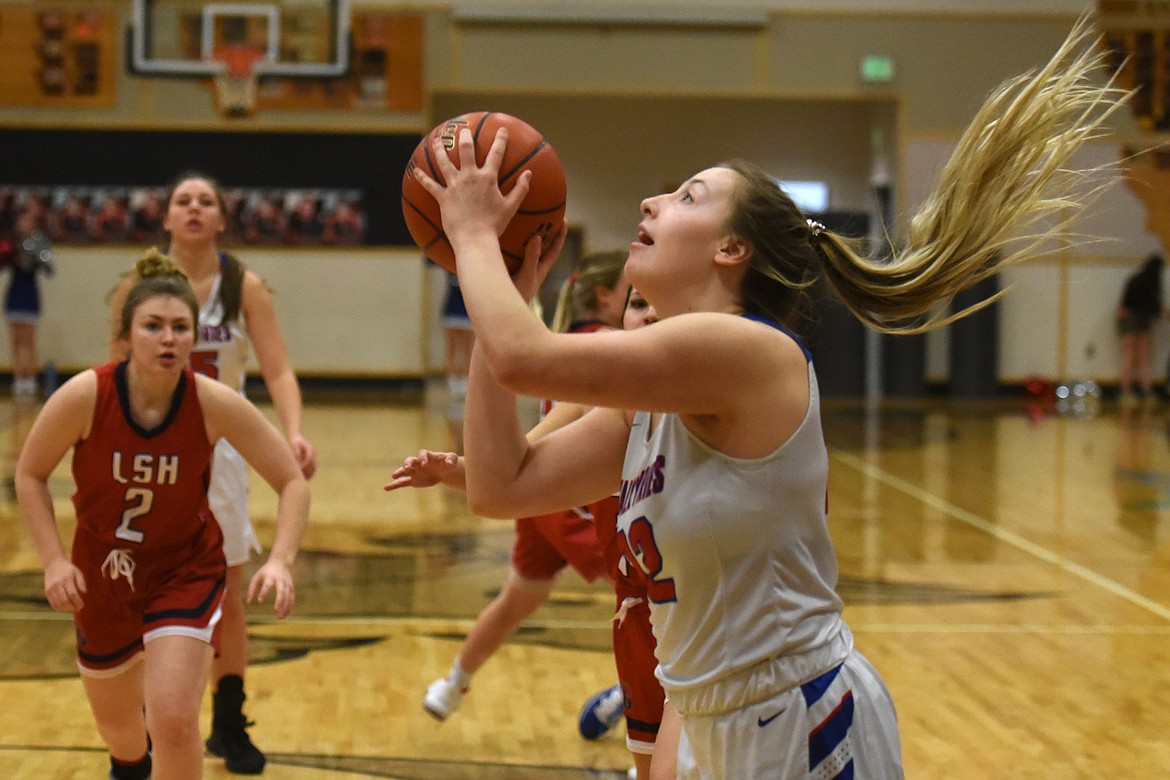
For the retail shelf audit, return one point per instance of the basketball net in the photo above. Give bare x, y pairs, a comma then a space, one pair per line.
235, 82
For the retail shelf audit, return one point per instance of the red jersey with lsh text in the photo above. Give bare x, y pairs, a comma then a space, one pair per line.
143, 489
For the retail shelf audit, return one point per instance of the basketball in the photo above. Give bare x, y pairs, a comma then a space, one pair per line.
541, 212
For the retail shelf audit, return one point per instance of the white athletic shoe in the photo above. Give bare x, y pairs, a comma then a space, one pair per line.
443, 697
632, 773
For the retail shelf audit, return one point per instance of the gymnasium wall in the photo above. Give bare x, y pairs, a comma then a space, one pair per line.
632, 106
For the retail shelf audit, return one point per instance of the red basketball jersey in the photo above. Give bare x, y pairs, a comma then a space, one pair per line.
140, 489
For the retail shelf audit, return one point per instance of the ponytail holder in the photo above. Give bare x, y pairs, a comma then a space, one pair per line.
815, 228
573, 277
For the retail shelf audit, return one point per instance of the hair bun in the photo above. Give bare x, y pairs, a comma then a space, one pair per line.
155, 263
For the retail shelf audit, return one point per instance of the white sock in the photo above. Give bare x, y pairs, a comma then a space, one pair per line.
459, 676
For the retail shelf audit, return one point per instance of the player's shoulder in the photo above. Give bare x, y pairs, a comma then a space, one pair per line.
253, 288
209, 389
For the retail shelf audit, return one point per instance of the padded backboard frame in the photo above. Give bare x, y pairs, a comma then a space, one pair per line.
149, 18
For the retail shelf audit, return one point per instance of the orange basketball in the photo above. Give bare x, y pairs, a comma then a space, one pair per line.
541, 212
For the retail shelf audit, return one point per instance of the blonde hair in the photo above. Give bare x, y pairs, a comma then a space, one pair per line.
997, 186
578, 294
156, 274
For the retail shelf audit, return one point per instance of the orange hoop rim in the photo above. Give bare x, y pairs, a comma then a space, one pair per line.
239, 61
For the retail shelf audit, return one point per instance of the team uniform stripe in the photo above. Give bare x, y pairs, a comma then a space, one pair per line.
846, 772
831, 733
206, 607
814, 690
642, 726
109, 658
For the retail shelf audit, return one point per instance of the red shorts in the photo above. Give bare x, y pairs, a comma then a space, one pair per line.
177, 590
633, 652
546, 543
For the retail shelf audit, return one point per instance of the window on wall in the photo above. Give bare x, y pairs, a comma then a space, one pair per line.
811, 196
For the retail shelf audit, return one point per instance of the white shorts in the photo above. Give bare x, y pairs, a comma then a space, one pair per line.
842, 724
228, 498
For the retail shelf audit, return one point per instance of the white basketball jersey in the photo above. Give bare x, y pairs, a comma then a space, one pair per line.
222, 349
737, 550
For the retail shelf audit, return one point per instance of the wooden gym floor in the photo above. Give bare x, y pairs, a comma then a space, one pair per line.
1008, 574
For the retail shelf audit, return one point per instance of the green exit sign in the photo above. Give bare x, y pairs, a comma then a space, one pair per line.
877, 68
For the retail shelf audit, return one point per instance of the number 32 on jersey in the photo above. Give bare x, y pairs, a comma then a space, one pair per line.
638, 547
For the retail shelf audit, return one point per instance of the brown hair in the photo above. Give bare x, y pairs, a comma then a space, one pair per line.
156, 275
578, 294
231, 289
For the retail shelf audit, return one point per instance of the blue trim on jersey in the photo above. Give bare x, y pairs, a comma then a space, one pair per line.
846, 773
782, 329
815, 689
831, 732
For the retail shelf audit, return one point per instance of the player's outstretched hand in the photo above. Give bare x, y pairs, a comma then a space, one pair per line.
422, 470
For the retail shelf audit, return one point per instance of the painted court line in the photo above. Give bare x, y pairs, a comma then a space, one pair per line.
1015, 540
464, 624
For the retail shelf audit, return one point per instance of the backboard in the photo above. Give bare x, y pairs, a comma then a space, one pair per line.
290, 38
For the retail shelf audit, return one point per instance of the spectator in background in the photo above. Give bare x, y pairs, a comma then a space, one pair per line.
236, 202
146, 218
459, 339
7, 211
344, 225
111, 223
304, 221
265, 222
1141, 305
30, 255
72, 221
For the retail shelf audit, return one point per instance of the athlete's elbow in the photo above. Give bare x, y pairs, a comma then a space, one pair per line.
516, 368
483, 504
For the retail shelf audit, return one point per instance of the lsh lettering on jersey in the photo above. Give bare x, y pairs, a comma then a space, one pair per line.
648, 482
147, 469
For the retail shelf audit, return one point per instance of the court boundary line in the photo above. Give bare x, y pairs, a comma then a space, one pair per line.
433, 623
1008, 537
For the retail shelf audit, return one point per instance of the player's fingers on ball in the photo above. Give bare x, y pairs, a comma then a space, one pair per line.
465, 142
495, 155
558, 241
433, 188
532, 251
518, 192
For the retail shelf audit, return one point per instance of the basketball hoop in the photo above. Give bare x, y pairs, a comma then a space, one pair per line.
235, 80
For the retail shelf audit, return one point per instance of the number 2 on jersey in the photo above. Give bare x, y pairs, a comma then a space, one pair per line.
145, 499
638, 545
